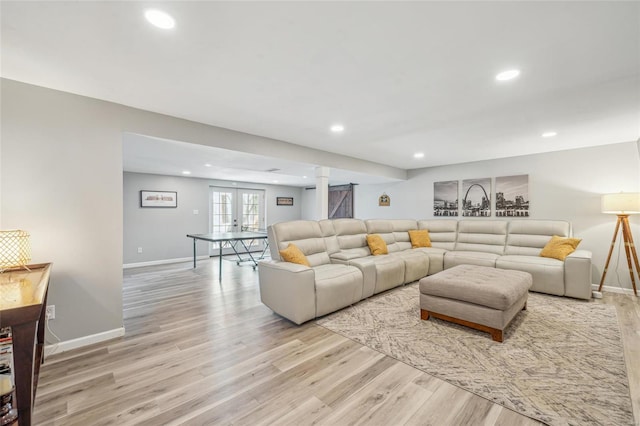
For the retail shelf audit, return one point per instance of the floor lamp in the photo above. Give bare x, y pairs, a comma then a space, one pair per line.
623, 204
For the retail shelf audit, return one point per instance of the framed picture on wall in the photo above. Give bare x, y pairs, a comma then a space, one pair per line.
512, 196
445, 198
476, 197
158, 199
284, 201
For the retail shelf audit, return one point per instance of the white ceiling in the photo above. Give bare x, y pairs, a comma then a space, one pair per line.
402, 77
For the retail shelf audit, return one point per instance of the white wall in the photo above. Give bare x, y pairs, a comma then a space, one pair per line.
161, 232
563, 185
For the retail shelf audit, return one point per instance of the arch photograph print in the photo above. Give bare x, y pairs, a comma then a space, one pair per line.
476, 197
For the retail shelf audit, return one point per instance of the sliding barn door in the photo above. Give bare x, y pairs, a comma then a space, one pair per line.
341, 201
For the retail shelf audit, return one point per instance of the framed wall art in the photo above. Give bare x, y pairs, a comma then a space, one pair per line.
445, 198
512, 196
284, 201
476, 197
158, 199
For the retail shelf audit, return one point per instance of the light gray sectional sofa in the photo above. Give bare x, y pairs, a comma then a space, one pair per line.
343, 271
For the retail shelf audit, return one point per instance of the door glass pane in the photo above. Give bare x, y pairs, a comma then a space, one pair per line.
222, 212
251, 211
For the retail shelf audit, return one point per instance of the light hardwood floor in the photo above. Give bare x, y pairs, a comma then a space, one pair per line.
199, 352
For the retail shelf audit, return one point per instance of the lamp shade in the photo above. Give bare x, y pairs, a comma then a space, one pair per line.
14, 249
621, 203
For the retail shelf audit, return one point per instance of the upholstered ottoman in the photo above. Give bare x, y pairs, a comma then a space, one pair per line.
480, 297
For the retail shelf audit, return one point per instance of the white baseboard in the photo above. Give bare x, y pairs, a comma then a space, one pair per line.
162, 262
68, 345
610, 289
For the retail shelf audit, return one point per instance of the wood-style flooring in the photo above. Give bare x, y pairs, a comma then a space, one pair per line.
200, 352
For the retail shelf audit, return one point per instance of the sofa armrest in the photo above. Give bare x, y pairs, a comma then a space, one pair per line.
577, 274
288, 289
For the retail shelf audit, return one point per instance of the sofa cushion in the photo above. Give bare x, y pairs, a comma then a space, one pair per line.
393, 231
337, 286
528, 237
485, 236
559, 248
436, 258
416, 264
294, 255
380, 272
485, 286
306, 234
419, 238
548, 274
377, 245
454, 258
442, 232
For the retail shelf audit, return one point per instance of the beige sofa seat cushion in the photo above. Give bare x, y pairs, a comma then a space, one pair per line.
454, 258
436, 258
416, 264
480, 285
380, 273
337, 286
548, 274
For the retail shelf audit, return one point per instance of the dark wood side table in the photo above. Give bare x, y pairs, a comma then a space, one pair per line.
23, 298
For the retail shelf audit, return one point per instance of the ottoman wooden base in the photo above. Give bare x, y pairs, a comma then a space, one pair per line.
479, 297
496, 334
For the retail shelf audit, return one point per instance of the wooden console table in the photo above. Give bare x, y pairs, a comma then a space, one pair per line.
23, 298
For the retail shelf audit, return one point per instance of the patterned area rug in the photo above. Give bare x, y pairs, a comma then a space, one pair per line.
561, 361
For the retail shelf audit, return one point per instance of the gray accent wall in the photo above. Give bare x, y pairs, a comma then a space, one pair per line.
161, 232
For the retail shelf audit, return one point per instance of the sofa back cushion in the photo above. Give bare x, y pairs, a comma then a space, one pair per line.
528, 237
305, 234
394, 232
329, 235
352, 237
441, 231
483, 236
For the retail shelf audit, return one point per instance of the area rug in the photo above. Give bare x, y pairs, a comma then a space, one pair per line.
561, 361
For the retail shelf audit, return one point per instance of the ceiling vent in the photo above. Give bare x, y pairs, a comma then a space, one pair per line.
272, 170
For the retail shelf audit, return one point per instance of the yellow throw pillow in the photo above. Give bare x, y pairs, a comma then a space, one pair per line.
420, 238
294, 255
559, 247
377, 245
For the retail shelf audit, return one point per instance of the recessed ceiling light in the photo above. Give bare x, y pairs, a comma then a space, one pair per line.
304, 177
207, 165
337, 128
507, 75
549, 134
160, 19
186, 172
418, 155
275, 181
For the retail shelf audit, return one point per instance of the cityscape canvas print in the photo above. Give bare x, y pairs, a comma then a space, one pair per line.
445, 198
476, 198
512, 196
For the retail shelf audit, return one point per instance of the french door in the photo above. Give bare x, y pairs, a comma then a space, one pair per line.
235, 210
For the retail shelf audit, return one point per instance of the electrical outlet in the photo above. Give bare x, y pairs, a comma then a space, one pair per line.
139, 249
51, 312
